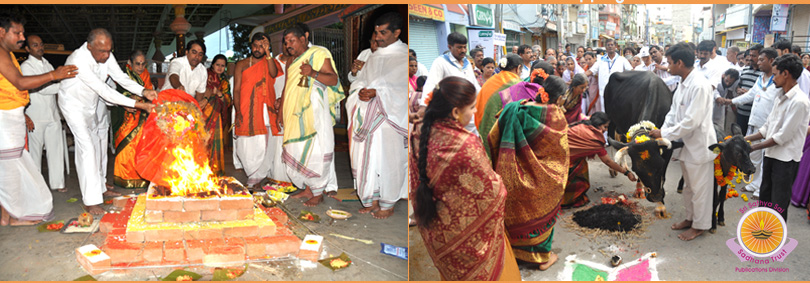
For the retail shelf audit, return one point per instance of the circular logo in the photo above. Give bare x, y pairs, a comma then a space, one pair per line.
762, 232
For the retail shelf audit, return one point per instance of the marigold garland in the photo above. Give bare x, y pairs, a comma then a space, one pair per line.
718, 173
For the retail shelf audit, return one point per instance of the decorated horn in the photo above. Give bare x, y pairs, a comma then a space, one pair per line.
664, 142
619, 157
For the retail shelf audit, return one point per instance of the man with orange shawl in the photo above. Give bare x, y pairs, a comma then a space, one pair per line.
254, 101
308, 103
127, 124
529, 149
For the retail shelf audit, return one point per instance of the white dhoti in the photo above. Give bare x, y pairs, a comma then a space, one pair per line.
379, 153
260, 155
23, 192
698, 186
310, 162
49, 135
88, 149
756, 158
103, 116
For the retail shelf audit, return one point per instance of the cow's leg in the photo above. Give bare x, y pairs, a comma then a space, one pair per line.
680, 186
721, 219
715, 200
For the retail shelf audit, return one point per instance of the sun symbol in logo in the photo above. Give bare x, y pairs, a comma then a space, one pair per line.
762, 231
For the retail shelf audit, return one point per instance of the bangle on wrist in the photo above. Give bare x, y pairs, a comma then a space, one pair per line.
316, 75
626, 172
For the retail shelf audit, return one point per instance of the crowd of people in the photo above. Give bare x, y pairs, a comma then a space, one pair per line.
282, 109
499, 147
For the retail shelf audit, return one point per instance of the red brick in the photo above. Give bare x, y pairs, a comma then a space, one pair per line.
174, 251
195, 250
123, 252
283, 245
118, 235
179, 264
235, 242
106, 223
284, 231
121, 202
218, 215
236, 203
266, 230
243, 214
135, 236
164, 235
224, 256
181, 216
212, 243
202, 233
241, 231
256, 247
201, 204
153, 216
153, 251
278, 215
174, 204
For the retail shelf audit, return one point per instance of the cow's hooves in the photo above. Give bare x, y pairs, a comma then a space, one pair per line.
713, 230
721, 223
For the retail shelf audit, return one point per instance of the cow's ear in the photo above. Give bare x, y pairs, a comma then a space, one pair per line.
716, 148
616, 144
736, 130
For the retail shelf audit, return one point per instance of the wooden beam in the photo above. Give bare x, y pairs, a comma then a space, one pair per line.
47, 30
75, 40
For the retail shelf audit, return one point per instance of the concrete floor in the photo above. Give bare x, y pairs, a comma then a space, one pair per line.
26, 254
705, 258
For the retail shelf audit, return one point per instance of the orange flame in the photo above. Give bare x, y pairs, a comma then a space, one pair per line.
190, 177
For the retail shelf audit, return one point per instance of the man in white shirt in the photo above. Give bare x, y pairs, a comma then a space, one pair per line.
78, 100
784, 132
186, 73
783, 46
604, 67
44, 114
732, 58
762, 95
453, 63
358, 63
525, 53
379, 152
661, 67
690, 119
646, 61
711, 69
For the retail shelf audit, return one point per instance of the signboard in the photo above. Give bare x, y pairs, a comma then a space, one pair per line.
483, 38
742, 45
610, 26
311, 14
582, 14
482, 16
499, 39
425, 11
510, 25
594, 32
721, 20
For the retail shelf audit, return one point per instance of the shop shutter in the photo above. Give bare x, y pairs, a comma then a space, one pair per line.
423, 40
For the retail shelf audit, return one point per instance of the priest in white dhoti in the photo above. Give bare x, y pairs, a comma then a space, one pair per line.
44, 113
311, 94
378, 119
79, 100
24, 196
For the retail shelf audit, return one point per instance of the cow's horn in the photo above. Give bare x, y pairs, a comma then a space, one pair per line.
664, 142
619, 157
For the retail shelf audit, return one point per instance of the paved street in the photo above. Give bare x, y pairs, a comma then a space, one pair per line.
705, 258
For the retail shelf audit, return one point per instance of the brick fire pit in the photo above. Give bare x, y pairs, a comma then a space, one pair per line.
158, 230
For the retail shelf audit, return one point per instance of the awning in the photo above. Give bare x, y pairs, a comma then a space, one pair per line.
728, 30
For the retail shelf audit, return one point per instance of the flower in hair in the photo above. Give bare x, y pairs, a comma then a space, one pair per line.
502, 63
430, 96
538, 72
543, 95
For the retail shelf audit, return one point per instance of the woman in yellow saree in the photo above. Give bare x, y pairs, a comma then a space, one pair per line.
529, 149
458, 199
129, 131
212, 108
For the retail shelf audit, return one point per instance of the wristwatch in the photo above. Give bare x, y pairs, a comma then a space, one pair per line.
627, 172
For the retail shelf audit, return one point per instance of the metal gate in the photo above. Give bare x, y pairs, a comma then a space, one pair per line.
334, 40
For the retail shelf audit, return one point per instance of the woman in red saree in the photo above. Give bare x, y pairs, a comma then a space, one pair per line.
529, 149
573, 98
586, 140
128, 130
212, 108
458, 199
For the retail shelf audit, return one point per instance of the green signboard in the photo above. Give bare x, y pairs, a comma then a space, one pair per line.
482, 16
485, 33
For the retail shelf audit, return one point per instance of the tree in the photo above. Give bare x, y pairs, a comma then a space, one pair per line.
241, 41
